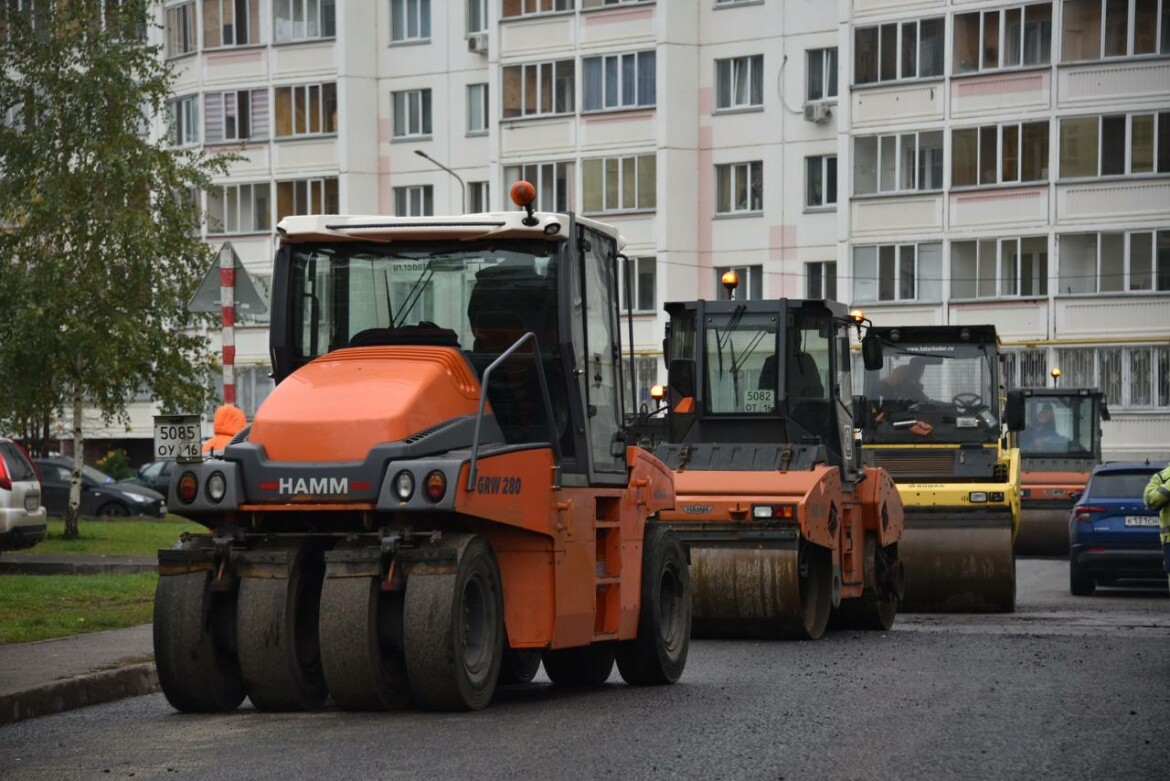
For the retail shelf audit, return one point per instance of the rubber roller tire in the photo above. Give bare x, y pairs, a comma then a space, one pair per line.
519, 666
658, 654
361, 645
583, 667
453, 632
193, 646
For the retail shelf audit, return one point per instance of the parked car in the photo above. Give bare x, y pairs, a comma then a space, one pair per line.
101, 495
156, 475
22, 518
1112, 536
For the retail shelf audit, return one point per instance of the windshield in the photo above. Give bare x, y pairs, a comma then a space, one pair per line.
478, 296
1058, 426
1119, 485
934, 393
741, 363
95, 475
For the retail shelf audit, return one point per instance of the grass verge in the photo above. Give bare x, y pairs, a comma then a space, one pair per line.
40, 607
133, 537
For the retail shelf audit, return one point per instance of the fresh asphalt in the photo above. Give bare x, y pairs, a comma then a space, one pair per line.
1065, 688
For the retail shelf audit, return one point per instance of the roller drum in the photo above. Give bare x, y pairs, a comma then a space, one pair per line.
954, 564
1043, 532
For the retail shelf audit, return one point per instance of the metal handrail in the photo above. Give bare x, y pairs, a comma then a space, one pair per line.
554, 442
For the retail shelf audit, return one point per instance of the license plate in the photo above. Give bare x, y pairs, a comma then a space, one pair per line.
32, 502
1141, 520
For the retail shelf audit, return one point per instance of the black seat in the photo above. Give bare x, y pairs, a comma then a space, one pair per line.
427, 334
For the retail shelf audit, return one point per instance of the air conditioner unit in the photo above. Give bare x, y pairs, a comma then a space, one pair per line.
817, 112
477, 43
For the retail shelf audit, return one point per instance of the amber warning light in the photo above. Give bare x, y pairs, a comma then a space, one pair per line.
657, 393
730, 281
523, 195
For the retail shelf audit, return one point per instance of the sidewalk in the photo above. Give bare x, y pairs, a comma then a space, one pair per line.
52, 676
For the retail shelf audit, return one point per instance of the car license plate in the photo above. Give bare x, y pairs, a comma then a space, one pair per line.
1141, 520
32, 502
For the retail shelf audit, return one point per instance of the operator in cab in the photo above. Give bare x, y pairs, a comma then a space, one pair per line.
1041, 434
904, 383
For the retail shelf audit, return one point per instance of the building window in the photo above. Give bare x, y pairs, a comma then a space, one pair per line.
904, 162
1025, 368
739, 82
1095, 29
235, 116
553, 183
410, 20
528, 7
618, 81
891, 52
184, 117
477, 16
897, 272
994, 268
820, 181
604, 3
1115, 145
306, 110
303, 20
480, 195
477, 109
1131, 376
1005, 38
306, 196
739, 187
821, 81
1115, 262
821, 280
230, 22
253, 384
999, 154
238, 208
643, 276
646, 377
751, 283
415, 201
619, 183
412, 113
538, 89
180, 29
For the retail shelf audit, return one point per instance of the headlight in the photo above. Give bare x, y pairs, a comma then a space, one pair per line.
139, 498
977, 497
216, 487
404, 485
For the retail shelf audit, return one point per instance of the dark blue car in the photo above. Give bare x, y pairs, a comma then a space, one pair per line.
1112, 536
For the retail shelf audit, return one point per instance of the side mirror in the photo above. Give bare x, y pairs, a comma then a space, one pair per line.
1076, 496
871, 352
681, 376
860, 412
1104, 410
1013, 411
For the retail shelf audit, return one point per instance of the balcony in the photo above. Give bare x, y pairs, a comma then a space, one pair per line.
1112, 316
1126, 81
1000, 206
1014, 319
904, 103
1120, 199
234, 65
901, 216
1010, 92
544, 34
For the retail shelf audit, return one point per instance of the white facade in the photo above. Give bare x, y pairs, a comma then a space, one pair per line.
736, 115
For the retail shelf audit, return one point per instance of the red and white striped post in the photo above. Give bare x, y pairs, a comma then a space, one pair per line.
227, 302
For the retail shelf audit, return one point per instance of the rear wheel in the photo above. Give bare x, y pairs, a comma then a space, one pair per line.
519, 666
1080, 584
587, 666
659, 652
815, 593
453, 632
280, 654
194, 644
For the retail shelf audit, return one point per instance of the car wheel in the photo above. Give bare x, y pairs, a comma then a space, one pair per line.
112, 510
1080, 584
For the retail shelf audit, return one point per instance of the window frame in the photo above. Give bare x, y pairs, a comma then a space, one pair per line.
402, 32
639, 263
561, 81
181, 41
324, 91
251, 17
555, 7
1159, 271
537, 173
752, 66
262, 217
1001, 16
411, 114
484, 108
899, 51
1038, 279
1000, 145
753, 172
897, 283
481, 10
405, 200
257, 104
898, 141
325, 190
324, 13
826, 178
1160, 134
620, 76
826, 276
1161, 32
1117, 380
479, 197
184, 116
623, 163
751, 283
829, 89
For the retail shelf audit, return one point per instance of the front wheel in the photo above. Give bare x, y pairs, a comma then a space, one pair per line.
113, 510
659, 652
1080, 584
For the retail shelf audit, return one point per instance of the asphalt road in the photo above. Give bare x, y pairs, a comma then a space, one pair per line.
1066, 688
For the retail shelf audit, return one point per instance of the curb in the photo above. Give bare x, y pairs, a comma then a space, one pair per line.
92, 689
14, 566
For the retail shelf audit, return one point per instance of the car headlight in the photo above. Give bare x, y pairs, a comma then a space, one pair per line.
216, 487
139, 498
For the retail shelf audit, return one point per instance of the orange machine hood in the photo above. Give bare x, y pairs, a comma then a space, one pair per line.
342, 404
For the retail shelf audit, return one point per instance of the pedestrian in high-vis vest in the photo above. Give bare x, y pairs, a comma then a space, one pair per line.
1157, 496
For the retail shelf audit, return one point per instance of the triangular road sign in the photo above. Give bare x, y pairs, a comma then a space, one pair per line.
207, 298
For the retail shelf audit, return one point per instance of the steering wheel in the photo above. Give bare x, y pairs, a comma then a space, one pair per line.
967, 400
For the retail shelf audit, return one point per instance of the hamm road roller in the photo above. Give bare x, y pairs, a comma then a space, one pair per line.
1059, 447
783, 523
935, 421
438, 494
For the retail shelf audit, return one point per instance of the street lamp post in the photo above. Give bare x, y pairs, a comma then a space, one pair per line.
458, 178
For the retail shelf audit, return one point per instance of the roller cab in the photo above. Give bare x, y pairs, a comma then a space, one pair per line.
785, 527
1058, 450
438, 496
936, 422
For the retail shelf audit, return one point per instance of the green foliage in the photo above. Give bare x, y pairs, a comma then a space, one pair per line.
39, 607
102, 251
116, 464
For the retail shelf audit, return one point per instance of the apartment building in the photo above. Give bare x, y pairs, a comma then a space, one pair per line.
932, 161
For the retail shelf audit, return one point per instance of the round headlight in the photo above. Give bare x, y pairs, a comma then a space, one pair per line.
216, 487
436, 486
404, 485
187, 488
